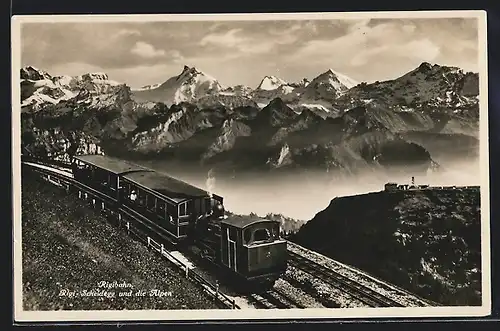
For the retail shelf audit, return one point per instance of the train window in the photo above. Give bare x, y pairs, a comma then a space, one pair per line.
171, 209
275, 232
112, 182
160, 208
126, 188
247, 236
141, 197
151, 202
170, 219
261, 235
208, 205
183, 210
233, 234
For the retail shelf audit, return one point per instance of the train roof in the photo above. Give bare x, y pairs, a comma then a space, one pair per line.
244, 221
165, 185
110, 164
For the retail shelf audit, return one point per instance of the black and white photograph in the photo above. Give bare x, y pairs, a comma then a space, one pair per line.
250, 166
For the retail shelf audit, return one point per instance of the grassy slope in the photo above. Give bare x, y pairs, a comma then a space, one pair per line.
428, 242
67, 245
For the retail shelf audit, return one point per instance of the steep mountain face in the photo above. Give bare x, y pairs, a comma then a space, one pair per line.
317, 94
329, 124
427, 241
327, 86
189, 85
225, 141
270, 83
275, 114
39, 89
272, 87
433, 88
176, 125
225, 100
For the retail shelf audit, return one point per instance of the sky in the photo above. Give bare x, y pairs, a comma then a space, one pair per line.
243, 52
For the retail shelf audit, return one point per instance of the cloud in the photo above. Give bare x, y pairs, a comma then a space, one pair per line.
244, 43
175, 56
419, 50
146, 50
127, 33
366, 50
365, 43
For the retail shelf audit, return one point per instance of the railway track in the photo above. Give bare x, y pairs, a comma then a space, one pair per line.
274, 299
333, 278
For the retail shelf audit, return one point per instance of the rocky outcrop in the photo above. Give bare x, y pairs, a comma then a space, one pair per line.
230, 131
428, 241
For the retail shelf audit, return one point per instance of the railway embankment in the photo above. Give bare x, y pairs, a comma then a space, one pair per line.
73, 259
425, 241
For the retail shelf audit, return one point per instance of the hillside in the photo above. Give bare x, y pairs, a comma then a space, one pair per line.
68, 246
428, 241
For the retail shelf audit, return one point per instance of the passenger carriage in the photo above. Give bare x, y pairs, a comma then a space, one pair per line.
170, 203
167, 204
102, 172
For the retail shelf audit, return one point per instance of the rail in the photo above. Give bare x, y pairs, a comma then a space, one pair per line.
402, 291
45, 161
99, 199
359, 291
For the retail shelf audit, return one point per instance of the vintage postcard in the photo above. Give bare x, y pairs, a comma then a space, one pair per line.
250, 166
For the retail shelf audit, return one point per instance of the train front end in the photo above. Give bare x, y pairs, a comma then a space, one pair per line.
266, 253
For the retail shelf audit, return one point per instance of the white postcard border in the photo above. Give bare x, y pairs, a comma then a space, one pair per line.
168, 315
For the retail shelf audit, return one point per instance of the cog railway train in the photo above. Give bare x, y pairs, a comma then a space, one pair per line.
249, 249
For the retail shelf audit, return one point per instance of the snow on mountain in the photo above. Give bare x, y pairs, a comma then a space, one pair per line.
190, 85
270, 83
147, 87
238, 90
39, 88
342, 79
371, 120
272, 87
427, 85
329, 94
33, 73
328, 84
321, 92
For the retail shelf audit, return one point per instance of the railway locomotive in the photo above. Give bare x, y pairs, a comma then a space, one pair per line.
248, 249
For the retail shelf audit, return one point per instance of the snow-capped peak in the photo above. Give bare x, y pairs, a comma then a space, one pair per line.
32, 73
270, 83
40, 88
190, 84
343, 79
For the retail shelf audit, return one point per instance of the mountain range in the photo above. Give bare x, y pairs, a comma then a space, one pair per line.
414, 122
